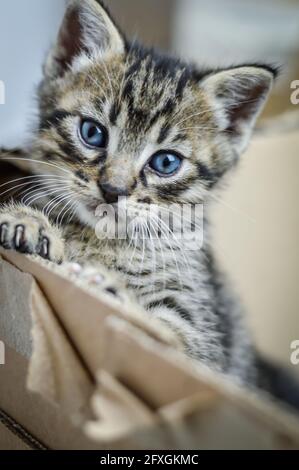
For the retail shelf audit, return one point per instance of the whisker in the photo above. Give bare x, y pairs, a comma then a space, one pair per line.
28, 178
200, 128
38, 188
167, 231
40, 195
54, 203
162, 253
69, 202
15, 187
163, 230
192, 116
143, 248
108, 77
36, 161
73, 213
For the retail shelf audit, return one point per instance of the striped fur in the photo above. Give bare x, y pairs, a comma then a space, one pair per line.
149, 102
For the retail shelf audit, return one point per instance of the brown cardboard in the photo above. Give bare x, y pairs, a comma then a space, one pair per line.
10, 441
106, 378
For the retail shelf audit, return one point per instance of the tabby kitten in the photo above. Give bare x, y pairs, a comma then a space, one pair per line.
118, 120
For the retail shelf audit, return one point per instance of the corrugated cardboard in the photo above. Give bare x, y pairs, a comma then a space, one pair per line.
98, 377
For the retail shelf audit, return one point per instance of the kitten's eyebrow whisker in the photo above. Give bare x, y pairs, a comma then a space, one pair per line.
191, 116
108, 77
97, 84
200, 128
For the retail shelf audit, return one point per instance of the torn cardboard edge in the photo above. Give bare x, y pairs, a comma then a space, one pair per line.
106, 368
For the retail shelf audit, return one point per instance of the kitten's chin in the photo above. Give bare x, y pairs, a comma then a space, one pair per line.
86, 216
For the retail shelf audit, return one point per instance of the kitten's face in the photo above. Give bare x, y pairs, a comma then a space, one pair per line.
124, 121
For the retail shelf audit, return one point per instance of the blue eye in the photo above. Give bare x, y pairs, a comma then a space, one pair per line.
165, 163
93, 134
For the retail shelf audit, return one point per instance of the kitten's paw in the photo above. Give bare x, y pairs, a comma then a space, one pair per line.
98, 279
28, 231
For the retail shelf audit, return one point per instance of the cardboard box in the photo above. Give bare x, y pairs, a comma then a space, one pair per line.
97, 377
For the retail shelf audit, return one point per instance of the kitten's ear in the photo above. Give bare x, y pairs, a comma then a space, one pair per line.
238, 96
87, 29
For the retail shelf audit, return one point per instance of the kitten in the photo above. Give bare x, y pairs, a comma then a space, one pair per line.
118, 120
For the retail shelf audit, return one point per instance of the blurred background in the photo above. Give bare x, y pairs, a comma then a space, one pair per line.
256, 224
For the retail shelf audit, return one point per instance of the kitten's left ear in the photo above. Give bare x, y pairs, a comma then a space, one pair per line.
87, 29
237, 97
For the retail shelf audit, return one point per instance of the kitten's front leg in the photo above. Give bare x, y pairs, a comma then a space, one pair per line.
28, 231
100, 280
189, 338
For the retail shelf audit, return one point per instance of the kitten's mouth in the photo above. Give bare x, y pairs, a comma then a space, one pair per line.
92, 206
92, 211
95, 207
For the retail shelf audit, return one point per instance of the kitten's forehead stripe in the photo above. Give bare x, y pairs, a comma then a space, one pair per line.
180, 137
114, 112
54, 119
164, 132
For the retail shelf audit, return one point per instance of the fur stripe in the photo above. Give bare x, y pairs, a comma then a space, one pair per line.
54, 119
172, 304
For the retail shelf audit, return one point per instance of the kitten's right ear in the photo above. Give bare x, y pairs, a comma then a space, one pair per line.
237, 96
87, 29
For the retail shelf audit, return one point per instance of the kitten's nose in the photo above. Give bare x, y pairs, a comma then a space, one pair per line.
112, 193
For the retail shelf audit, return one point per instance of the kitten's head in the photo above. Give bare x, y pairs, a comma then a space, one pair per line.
123, 120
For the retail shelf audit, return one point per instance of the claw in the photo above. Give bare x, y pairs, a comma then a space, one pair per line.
44, 252
19, 236
3, 233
